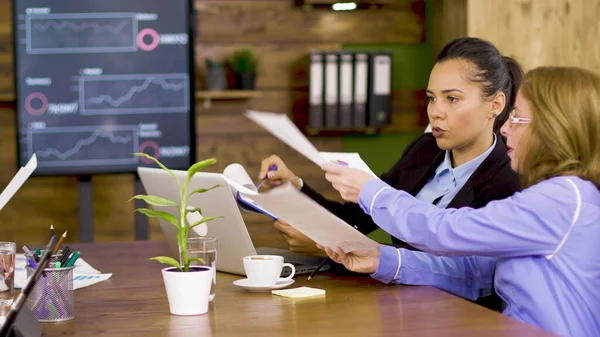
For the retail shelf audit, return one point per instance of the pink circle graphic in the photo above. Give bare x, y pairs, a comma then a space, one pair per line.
154, 146
31, 97
140, 39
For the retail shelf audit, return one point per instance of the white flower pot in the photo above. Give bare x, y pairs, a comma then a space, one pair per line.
188, 292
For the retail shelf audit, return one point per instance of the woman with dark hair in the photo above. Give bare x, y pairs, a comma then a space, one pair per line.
462, 162
545, 238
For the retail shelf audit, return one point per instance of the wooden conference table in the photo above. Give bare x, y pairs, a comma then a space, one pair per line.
133, 303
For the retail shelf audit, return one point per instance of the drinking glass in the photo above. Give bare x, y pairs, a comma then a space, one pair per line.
204, 247
7, 272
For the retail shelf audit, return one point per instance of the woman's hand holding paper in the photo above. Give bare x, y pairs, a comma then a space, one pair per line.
348, 181
282, 174
360, 261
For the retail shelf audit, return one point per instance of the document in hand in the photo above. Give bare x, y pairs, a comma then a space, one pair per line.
311, 219
280, 126
239, 181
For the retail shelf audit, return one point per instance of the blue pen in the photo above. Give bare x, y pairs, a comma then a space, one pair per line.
262, 181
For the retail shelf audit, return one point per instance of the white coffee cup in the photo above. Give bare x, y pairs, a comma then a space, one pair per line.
265, 270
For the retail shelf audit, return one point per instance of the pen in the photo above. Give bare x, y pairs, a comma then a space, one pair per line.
27, 251
318, 267
65, 255
60, 241
73, 259
262, 181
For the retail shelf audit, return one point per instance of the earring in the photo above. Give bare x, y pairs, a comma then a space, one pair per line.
494, 115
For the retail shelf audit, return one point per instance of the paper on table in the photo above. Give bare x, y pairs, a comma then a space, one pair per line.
18, 180
312, 219
284, 129
84, 274
299, 292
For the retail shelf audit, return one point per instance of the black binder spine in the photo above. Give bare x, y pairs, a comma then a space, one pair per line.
346, 92
331, 90
380, 89
361, 75
316, 92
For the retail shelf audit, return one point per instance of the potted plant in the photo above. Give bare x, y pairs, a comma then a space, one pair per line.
244, 63
187, 287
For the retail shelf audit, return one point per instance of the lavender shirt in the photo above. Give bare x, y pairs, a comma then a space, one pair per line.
545, 241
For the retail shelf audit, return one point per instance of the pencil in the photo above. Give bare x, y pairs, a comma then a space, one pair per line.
60, 241
318, 268
51, 231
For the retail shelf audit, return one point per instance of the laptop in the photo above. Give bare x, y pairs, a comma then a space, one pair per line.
234, 241
19, 321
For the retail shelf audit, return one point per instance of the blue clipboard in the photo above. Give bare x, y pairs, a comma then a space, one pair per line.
251, 206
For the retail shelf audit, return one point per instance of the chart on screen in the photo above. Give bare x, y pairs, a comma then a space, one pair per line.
98, 81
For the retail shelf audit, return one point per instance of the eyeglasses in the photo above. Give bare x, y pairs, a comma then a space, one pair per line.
518, 120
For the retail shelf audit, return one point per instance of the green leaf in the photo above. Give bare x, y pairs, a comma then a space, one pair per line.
208, 218
202, 190
197, 167
167, 260
198, 259
194, 209
159, 214
155, 200
147, 156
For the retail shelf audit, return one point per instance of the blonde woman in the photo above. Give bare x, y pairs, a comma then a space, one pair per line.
545, 238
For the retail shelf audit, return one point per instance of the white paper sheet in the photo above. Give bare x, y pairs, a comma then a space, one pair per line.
236, 173
17, 181
312, 219
280, 126
84, 275
283, 128
350, 159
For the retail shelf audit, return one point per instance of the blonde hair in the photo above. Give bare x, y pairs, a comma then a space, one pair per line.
564, 135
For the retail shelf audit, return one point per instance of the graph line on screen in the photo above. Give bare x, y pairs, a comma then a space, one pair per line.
101, 145
72, 33
136, 89
133, 94
58, 26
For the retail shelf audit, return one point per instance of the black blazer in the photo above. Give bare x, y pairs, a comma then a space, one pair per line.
492, 180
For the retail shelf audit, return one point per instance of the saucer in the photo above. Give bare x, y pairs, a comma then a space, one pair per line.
245, 283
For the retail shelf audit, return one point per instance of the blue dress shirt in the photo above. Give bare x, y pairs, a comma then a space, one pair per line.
447, 181
545, 240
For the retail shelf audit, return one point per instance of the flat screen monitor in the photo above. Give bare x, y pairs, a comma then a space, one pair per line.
98, 80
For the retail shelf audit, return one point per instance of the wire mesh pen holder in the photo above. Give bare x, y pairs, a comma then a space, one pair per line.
52, 299
53, 258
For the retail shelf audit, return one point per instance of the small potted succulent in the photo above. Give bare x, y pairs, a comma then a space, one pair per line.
244, 63
187, 287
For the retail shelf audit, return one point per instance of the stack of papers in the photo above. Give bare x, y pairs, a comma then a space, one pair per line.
84, 275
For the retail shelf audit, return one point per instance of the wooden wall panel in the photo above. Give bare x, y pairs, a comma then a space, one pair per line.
279, 21
280, 66
449, 22
549, 32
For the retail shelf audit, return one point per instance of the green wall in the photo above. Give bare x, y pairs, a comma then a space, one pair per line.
411, 64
